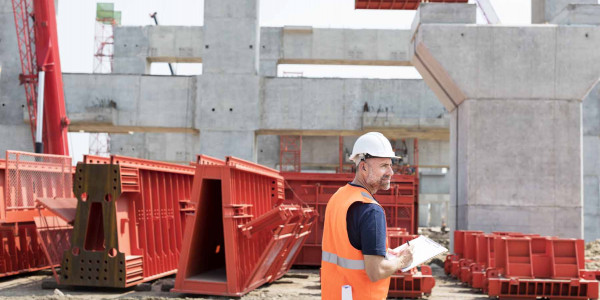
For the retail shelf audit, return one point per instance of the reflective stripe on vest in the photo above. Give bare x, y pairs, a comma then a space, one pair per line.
352, 264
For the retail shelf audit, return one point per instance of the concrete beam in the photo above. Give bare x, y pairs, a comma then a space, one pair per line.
137, 47
578, 14
543, 11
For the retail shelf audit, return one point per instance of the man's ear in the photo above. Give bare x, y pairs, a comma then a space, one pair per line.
363, 166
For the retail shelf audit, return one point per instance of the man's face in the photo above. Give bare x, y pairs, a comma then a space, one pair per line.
379, 172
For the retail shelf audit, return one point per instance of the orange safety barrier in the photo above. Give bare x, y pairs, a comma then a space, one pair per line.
400, 203
129, 221
240, 235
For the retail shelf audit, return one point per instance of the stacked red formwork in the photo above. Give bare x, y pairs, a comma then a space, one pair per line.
527, 266
400, 203
129, 221
24, 178
413, 283
240, 235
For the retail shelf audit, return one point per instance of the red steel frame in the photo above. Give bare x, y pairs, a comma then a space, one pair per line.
35, 22
129, 222
400, 203
26, 176
240, 235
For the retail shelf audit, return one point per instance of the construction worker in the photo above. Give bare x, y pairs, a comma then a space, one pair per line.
354, 235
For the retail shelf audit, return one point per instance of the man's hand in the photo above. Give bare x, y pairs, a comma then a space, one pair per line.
405, 258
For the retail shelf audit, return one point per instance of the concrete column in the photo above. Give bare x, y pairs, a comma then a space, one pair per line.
228, 97
515, 95
16, 134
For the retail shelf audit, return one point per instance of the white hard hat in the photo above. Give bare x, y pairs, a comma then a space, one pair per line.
372, 143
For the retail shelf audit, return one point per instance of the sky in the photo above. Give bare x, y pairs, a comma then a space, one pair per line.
76, 27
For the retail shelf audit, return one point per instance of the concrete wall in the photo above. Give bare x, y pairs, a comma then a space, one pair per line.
16, 135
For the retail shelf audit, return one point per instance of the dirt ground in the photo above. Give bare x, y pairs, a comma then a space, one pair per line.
297, 284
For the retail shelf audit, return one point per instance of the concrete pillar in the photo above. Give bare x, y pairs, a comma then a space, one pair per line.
515, 95
591, 164
228, 98
16, 133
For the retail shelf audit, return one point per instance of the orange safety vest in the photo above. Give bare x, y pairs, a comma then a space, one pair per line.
341, 263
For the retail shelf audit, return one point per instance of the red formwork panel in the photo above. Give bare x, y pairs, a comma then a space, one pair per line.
240, 235
129, 221
400, 204
408, 285
20, 250
484, 258
470, 246
453, 263
26, 176
518, 288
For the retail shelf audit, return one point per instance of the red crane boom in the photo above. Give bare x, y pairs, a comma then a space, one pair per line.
35, 22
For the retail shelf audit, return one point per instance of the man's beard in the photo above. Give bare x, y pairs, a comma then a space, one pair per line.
384, 183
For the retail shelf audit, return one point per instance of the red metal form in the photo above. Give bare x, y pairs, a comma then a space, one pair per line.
21, 252
395, 4
408, 285
37, 37
469, 256
290, 153
25, 176
315, 189
54, 235
484, 258
129, 222
453, 263
515, 287
240, 235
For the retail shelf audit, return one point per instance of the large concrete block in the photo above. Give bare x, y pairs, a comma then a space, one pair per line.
447, 13
544, 220
231, 37
531, 137
15, 137
171, 147
228, 102
130, 50
221, 143
91, 91
577, 60
591, 112
176, 101
267, 150
591, 206
542, 11
181, 42
12, 94
271, 40
578, 14
591, 155
298, 41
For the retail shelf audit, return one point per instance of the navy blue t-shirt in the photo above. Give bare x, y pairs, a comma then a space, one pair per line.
366, 227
